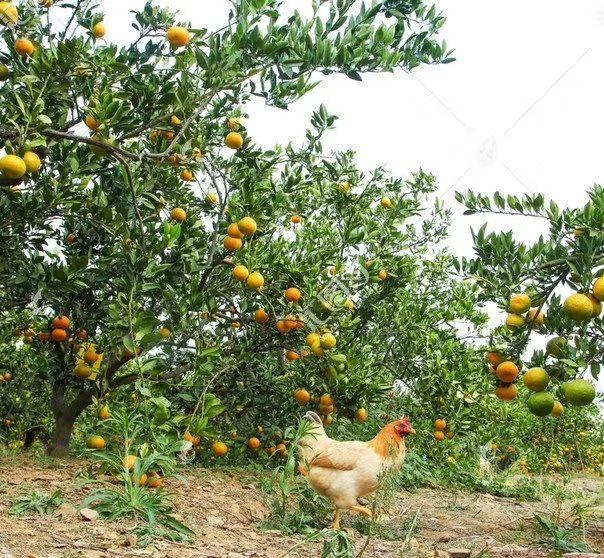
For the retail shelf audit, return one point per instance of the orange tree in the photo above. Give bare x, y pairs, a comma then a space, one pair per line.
130, 188
552, 290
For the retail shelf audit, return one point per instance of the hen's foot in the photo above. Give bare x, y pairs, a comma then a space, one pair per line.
362, 510
336, 521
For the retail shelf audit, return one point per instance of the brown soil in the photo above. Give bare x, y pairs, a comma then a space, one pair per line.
226, 509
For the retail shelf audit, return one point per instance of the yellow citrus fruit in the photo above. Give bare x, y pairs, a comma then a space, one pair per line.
175, 121
130, 462
326, 399
313, 339
440, 424
536, 379
96, 442
296, 219
328, 341
92, 123
253, 443
558, 409
165, 333
240, 272
261, 316
536, 318
514, 321
383, 274
81, 370
104, 413
598, 288
302, 396
507, 371
247, 226
32, 161
234, 140
578, 307
386, 203
232, 244
596, 305
361, 415
178, 36
344, 187
12, 166
439, 435
4, 72
213, 198
220, 449
293, 294
234, 123
519, 303
507, 393
255, 280
186, 175
9, 15
24, 47
99, 30
178, 214
234, 231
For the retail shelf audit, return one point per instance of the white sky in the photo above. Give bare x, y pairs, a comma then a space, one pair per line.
520, 111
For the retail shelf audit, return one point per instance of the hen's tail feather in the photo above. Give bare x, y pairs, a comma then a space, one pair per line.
313, 417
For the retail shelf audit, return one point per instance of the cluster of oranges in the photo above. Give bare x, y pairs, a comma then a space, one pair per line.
233, 241
14, 167
441, 430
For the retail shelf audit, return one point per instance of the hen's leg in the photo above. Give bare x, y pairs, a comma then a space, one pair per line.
362, 510
336, 520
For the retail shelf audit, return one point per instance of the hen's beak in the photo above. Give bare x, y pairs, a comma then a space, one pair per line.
412, 430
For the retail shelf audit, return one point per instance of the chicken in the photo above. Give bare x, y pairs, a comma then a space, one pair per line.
346, 471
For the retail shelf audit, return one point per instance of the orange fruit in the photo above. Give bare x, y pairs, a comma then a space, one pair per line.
186, 175
32, 161
82, 370
234, 231
96, 442
495, 358
386, 203
292, 355
519, 303
439, 435
302, 396
328, 341
61, 322
92, 123
24, 47
326, 399
99, 30
313, 339
90, 357
12, 167
168, 135
281, 449
440, 424
130, 462
9, 15
220, 449
44, 336
255, 280
361, 415
178, 214
296, 219
154, 480
507, 393
507, 371
383, 274
598, 289
232, 244
283, 326
175, 121
59, 335
261, 316
515, 321
240, 272
165, 333
536, 318
178, 37
104, 413
253, 443
234, 140
292, 294
247, 226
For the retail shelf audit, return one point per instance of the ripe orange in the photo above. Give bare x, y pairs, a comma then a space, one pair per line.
96, 443
255, 280
507, 371
234, 231
178, 214
240, 272
383, 274
92, 123
99, 30
12, 167
165, 333
247, 226
313, 339
234, 140
302, 396
253, 443
168, 135
281, 449
515, 321
186, 175
178, 37
439, 435
220, 449
292, 294
361, 415
598, 289
536, 318
296, 219
328, 341
59, 335
292, 355
440, 424
44, 336
261, 316
386, 203
130, 462
24, 47
283, 326
596, 305
232, 244
519, 303
90, 357
154, 480
326, 399
104, 413
175, 121
32, 161
61, 322
507, 393
495, 358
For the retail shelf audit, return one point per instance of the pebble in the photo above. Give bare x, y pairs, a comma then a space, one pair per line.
89, 515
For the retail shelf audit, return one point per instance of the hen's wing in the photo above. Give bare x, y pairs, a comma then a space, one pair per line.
342, 456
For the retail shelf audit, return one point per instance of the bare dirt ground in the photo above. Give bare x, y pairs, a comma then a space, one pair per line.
225, 511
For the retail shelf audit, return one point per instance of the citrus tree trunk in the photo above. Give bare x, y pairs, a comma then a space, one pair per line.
65, 415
